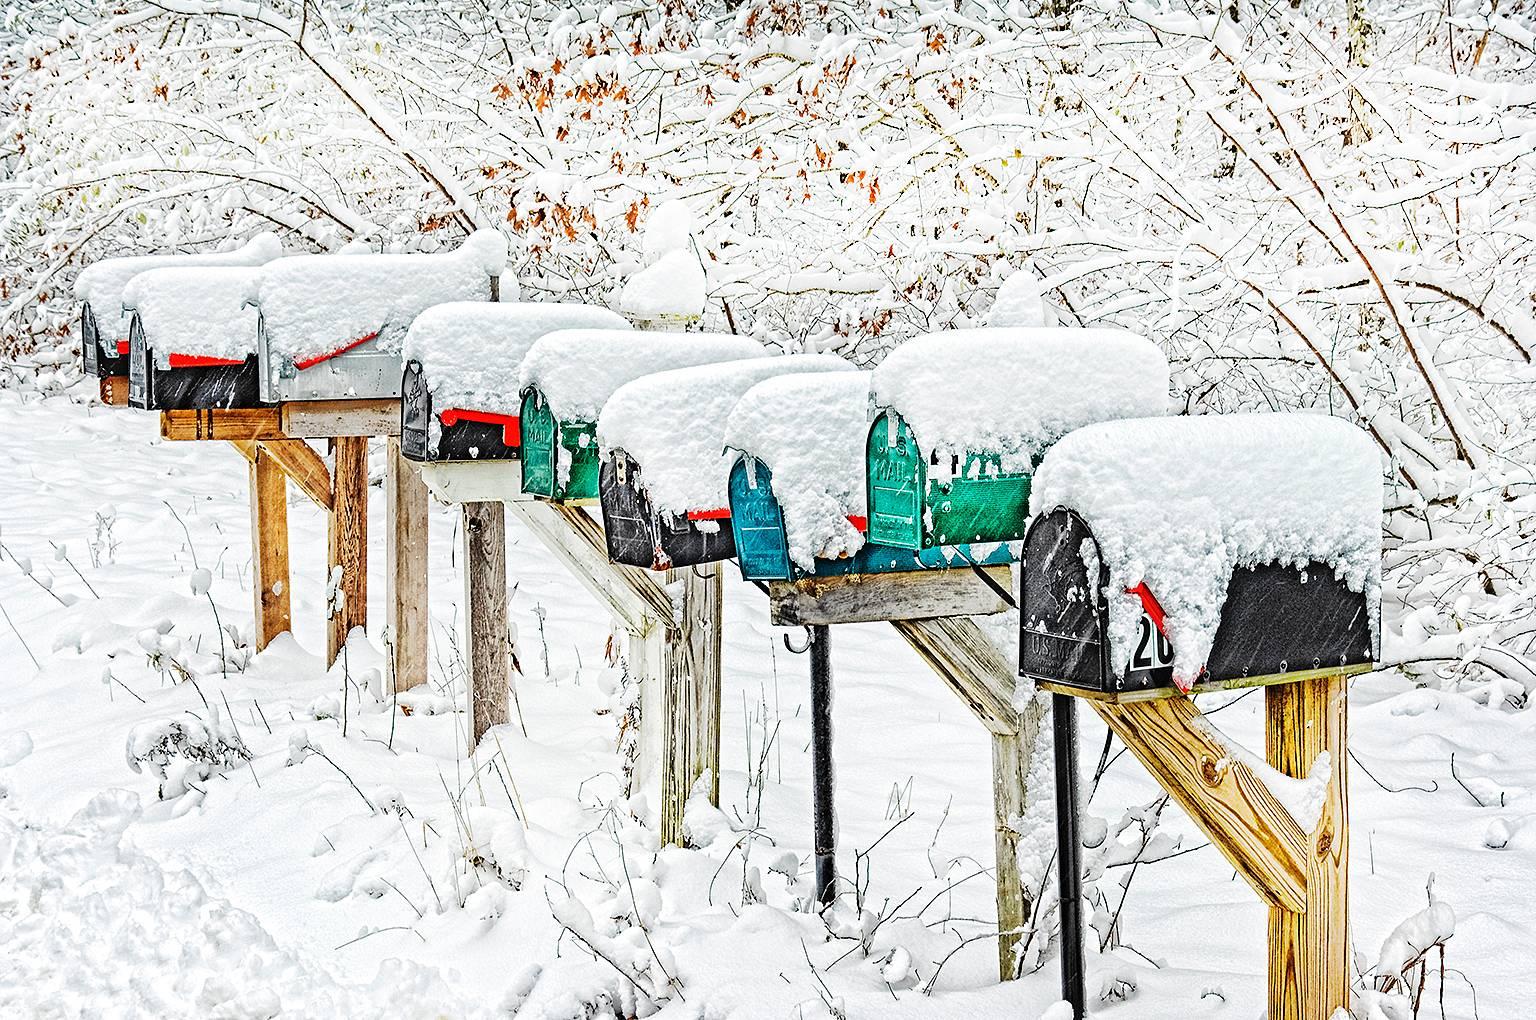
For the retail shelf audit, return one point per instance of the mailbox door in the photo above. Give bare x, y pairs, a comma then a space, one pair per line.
896, 472
1062, 613
90, 342
139, 368
415, 413
628, 524
980, 504
757, 523
538, 446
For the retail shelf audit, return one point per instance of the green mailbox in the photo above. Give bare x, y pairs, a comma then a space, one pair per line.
960, 418
569, 375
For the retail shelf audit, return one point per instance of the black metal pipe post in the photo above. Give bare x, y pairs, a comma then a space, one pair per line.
822, 782
1069, 853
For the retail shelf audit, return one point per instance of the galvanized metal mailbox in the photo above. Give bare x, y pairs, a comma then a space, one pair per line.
663, 472
569, 375
192, 339
332, 326
1252, 540
104, 324
961, 417
459, 393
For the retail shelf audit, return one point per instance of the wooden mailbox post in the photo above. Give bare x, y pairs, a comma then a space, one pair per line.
1297, 632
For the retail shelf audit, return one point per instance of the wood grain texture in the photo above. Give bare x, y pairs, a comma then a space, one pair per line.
304, 467
970, 665
1221, 795
866, 598
348, 539
222, 423
1309, 948
405, 556
690, 698
1010, 788
577, 540
269, 548
330, 419
114, 390
485, 599
1206, 686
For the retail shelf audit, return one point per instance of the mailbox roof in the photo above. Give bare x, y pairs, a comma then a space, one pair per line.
1014, 391
195, 310
673, 424
102, 283
577, 370
1182, 502
314, 306
809, 430
471, 351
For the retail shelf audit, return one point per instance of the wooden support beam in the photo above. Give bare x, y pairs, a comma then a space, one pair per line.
331, 419
1309, 948
485, 614
114, 390
1221, 794
303, 466
972, 666
868, 598
348, 539
406, 559
222, 423
576, 539
269, 547
690, 698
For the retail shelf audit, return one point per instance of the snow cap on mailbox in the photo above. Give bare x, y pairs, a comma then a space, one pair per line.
197, 311
673, 425
316, 306
100, 286
1251, 543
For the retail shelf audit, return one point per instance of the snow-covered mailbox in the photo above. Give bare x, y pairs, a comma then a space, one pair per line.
962, 416
663, 472
797, 487
104, 324
568, 376
1227, 550
192, 339
459, 394
332, 326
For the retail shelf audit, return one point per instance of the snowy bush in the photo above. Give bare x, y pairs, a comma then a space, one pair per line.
184, 750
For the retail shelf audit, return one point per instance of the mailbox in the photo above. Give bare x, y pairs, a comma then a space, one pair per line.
104, 324
797, 486
459, 400
569, 375
1254, 538
332, 326
192, 339
663, 472
961, 418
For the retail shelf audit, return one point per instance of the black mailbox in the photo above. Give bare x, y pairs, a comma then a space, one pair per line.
641, 537
463, 435
191, 339
1277, 620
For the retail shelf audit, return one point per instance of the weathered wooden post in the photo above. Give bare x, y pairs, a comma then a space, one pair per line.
1274, 595
269, 548
347, 540
406, 555
485, 612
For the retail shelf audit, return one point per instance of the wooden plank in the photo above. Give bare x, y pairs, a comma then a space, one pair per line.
269, 548
971, 666
482, 481
865, 598
303, 466
331, 419
348, 539
1221, 794
690, 698
222, 423
576, 539
1010, 788
485, 614
406, 556
1235, 684
1309, 948
114, 390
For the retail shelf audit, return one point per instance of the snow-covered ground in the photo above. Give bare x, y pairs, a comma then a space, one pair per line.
377, 872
